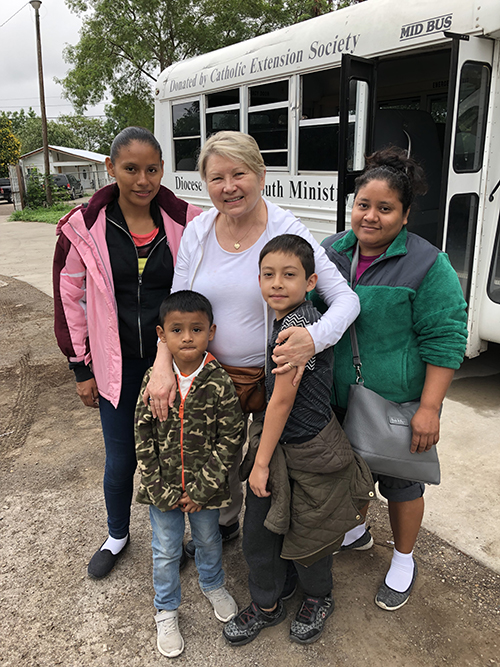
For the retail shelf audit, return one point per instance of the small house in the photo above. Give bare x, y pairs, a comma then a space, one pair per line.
86, 166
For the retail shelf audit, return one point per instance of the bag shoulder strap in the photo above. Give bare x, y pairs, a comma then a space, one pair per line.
356, 360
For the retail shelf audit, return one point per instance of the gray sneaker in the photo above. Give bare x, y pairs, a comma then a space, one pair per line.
244, 627
169, 639
309, 621
225, 608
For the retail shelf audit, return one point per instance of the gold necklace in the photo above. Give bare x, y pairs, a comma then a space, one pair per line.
237, 244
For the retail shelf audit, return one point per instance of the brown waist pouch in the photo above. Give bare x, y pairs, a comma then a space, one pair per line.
250, 387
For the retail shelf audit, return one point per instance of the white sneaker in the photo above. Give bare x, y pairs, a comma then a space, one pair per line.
169, 640
225, 608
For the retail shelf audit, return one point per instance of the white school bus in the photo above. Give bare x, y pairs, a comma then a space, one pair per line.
320, 95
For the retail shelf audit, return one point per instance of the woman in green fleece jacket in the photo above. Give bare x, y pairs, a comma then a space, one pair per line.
411, 332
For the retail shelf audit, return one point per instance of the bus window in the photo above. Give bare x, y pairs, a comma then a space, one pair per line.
411, 103
358, 124
268, 121
224, 98
471, 120
186, 134
269, 93
461, 235
438, 108
223, 111
494, 282
319, 123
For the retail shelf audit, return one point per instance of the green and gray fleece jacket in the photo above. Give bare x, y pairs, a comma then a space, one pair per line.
412, 313
195, 447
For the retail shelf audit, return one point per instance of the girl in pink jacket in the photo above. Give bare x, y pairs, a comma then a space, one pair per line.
113, 265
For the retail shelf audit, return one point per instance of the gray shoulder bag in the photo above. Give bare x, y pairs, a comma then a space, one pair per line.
379, 430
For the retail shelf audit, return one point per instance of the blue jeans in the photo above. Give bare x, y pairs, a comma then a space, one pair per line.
168, 531
118, 431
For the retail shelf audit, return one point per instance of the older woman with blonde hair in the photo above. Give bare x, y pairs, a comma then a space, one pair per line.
219, 257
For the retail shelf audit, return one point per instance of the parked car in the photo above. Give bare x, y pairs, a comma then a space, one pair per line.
70, 184
5, 189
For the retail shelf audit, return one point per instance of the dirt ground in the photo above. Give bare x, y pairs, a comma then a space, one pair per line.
52, 518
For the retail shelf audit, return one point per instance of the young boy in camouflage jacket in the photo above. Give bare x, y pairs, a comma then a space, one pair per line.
184, 463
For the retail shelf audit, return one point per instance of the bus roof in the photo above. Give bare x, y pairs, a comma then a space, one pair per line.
369, 29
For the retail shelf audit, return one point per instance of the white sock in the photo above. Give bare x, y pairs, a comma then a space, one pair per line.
113, 545
354, 534
401, 571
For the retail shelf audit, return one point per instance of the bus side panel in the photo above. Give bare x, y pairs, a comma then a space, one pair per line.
488, 281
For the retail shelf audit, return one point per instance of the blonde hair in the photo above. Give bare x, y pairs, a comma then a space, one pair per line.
235, 146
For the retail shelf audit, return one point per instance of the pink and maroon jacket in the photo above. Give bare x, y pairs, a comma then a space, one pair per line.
85, 313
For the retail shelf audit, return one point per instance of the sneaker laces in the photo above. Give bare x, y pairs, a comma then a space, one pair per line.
307, 609
248, 614
218, 595
252, 611
167, 625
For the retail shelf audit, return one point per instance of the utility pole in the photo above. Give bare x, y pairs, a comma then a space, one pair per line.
48, 191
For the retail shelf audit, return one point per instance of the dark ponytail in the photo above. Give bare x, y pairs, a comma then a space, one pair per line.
401, 173
129, 134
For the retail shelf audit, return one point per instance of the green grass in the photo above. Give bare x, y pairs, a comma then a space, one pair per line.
51, 215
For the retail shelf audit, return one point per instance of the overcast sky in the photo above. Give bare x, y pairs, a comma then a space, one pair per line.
18, 62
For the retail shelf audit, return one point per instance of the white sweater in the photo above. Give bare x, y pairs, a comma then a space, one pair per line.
230, 282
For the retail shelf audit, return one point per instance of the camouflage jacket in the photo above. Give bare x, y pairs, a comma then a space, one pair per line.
194, 448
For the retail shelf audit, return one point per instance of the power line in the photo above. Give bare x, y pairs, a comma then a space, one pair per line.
5, 22
16, 106
57, 117
48, 97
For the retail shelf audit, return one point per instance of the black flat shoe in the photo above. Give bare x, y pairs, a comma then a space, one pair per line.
103, 561
189, 549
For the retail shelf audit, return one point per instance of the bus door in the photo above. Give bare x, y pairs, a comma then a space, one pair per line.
357, 112
463, 195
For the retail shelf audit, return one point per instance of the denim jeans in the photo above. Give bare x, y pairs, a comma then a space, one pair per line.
118, 431
168, 531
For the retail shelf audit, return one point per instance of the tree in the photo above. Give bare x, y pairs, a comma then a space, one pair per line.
9, 146
91, 134
129, 109
19, 118
36, 197
318, 7
125, 44
58, 134
72, 131
27, 127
